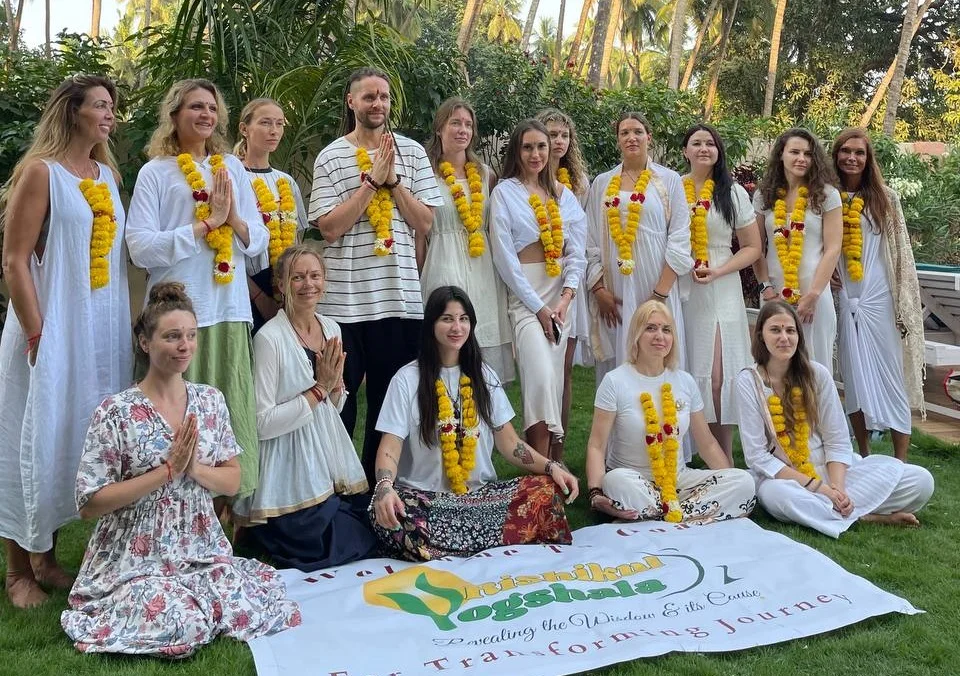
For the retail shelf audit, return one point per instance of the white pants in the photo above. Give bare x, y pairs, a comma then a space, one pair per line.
705, 495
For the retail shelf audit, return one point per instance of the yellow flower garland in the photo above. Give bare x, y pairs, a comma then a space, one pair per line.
219, 239
663, 446
457, 464
853, 235
563, 175
380, 209
798, 451
471, 212
699, 206
789, 241
625, 237
280, 219
551, 232
102, 232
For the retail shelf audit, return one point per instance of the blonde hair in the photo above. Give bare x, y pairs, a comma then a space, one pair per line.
164, 140
572, 161
640, 318
246, 118
57, 126
285, 263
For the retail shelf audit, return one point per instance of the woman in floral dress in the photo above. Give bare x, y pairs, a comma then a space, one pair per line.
159, 576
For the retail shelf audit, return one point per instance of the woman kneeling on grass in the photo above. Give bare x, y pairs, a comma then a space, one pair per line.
441, 418
796, 442
159, 576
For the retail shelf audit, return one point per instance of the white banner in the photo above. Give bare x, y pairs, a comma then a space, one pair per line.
618, 593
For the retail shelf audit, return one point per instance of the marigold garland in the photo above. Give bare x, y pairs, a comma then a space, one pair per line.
457, 463
219, 239
280, 219
625, 237
551, 232
103, 231
563, 175
662, 446
380, 209
699, 206
471, 212
798, 451
789, 241
853, 235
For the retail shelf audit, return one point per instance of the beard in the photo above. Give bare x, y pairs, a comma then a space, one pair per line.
363, 120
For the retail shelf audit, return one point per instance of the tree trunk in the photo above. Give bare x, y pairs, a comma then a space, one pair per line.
704, 27
613, 25
774, 58
46, 29
677, 33
95, 19
470, 14
600, 24
577, 37
715, 76
528, 27
558, 51
888, 76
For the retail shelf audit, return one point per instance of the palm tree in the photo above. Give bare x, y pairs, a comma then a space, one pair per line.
701, 33
677, 33
774, 58
613, 27
470, 14
644, 35
13, 25
528, 26
546, 37
502, 26
95, 19
900, 71
600, 23
558, 49
46, 28
573, 59
728, 19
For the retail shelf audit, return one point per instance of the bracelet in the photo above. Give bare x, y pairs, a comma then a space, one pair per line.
169, 470
659, 295
593, 493
382, 480
809, 481
572, 294
391, 186
318, 392
257, 294
549, 466
32, 342
370, 183
206, 225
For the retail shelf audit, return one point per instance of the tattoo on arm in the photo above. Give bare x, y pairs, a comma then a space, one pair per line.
523, 453
497, 429
384, 474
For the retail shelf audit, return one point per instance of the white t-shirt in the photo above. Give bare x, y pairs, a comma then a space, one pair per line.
362, 286
620, 391
421, 466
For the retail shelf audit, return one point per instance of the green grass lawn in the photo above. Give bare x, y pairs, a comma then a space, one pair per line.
921, 565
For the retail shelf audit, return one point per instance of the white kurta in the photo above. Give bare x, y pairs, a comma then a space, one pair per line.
84, 356
875, 484
820, 334
869, 348
659, 241
449, 262
719, 307
305, 454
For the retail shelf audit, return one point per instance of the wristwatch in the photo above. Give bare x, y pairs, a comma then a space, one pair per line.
764, 286
573, 292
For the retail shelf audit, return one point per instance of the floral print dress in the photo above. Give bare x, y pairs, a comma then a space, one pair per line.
159, 575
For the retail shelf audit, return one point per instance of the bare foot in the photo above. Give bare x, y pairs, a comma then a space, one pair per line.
24, 592
52, 575
895, 519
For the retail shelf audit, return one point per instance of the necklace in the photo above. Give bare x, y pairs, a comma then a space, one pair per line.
80, 173
305, 342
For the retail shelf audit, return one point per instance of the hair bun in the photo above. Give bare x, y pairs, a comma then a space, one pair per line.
168, 292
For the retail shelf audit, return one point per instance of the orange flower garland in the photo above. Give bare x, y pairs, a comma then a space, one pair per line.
663, 446
280, 219
789, 241
798, 451
563, 175
853, 235
380, 209
103, 231
457, 464
625, 237
471, 212
219, 239
551, 232
699, 206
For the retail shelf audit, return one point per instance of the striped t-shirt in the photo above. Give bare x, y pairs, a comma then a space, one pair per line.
362, 286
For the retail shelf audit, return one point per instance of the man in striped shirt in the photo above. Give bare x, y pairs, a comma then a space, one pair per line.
375, 298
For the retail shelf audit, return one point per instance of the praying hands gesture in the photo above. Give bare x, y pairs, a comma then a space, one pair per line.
329, 368
221, 200
383, 169
184, 449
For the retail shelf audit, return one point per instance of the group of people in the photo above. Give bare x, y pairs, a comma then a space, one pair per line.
435, 281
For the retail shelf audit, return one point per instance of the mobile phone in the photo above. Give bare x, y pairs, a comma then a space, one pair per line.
556, 330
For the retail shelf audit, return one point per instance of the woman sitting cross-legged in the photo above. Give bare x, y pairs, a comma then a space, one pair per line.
310, 509
159, 576
649, 405
437, 493
796, 442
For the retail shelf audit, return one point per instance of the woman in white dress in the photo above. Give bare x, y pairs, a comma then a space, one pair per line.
278, 200
66, 343
631, 260
795, 440
310, 509
642, 412
715, 317
799, 216
458, 245
881, 322
538, 241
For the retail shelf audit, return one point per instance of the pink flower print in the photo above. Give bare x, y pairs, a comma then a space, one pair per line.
295, 619
220, 558
266, 575
102, 633
169, 568
155, 606
216, 574
140, 546
201, 524
210, 421
217, 612
140, 412
176, 650
241, 620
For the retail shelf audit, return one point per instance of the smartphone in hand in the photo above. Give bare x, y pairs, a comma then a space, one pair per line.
556, 330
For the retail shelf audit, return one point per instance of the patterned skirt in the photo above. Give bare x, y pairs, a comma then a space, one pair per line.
524, 510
